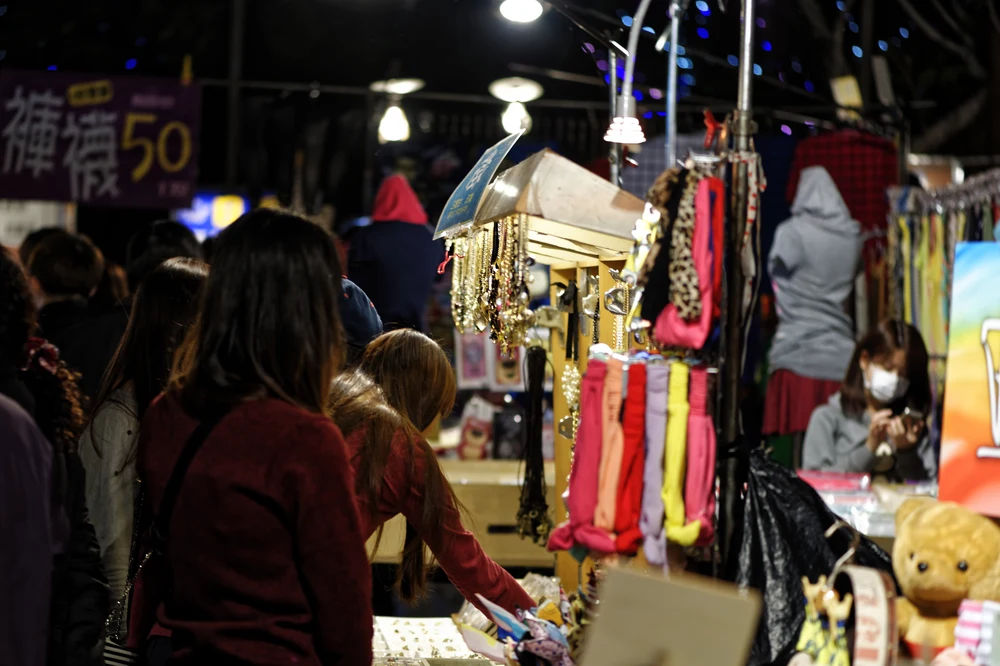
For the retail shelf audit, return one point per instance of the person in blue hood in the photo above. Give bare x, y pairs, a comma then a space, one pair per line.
394, 259
360, 319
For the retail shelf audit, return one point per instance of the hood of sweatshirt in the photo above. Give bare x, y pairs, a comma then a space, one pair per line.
818, 199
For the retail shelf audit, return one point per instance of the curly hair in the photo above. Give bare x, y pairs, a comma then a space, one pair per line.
59, 409
17, 312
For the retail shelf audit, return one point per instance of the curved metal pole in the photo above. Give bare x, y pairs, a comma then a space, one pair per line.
677, 9
614, 156
633, 47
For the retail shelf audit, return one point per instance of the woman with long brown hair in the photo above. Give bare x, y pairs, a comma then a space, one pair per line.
265, 557
162, 310
404, 383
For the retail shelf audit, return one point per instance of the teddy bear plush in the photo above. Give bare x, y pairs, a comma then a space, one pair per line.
943, 554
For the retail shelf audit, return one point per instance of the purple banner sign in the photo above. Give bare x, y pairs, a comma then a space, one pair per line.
103, 140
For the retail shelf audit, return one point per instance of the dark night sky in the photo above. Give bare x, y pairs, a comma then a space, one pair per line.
456, 45
460, 46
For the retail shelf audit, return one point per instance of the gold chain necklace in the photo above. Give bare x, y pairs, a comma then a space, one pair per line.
459, 248
478, 286
489, 287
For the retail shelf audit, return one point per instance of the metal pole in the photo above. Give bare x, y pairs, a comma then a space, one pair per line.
371, 147
745, 95
614, 149
676, 12
633, 47
237, 26
867, 37
733, 473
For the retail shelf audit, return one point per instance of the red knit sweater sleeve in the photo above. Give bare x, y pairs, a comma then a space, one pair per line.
458, 552
331, 547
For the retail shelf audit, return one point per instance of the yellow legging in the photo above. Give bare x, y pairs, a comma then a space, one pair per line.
921, 308
904, 232
935, 274
675, 458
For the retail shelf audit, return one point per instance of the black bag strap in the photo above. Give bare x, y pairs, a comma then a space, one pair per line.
161, 521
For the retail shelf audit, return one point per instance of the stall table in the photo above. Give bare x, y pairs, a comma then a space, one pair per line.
490, 490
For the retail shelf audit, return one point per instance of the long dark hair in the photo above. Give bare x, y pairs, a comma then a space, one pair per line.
357, 403
888, 337
269, 322
163, 309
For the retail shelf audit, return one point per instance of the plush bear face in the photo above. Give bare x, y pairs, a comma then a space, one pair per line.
941, 551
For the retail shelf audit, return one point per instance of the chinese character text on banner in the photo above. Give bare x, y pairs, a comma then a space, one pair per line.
102, 140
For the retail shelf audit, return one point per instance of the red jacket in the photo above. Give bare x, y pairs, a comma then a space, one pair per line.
265, 542
459, 554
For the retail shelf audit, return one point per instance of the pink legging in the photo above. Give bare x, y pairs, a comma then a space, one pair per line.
612, 449
584, 477
628, 536
699, 487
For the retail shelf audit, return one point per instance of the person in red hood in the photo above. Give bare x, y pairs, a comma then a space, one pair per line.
394, 259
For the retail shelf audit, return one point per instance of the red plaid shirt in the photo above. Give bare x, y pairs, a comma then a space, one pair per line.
862, 166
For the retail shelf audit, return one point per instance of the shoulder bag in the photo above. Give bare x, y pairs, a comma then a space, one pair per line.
116, 651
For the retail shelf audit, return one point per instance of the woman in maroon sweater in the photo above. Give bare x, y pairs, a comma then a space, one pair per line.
404, 383
265, 546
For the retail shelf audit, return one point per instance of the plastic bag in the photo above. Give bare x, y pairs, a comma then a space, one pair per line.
784, 523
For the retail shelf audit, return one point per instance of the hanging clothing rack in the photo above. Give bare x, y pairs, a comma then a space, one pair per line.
924, 229
977, 189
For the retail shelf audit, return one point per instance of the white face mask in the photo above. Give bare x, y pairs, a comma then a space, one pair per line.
883, 385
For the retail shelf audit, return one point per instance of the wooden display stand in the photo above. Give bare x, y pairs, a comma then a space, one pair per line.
578, 223
567, 569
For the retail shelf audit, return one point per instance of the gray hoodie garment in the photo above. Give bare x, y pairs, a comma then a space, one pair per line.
835, 442
813, 262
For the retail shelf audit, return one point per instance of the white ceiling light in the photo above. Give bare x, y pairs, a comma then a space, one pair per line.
515, 118
516, 89
397, 86
394, 126
521, 11
625, 128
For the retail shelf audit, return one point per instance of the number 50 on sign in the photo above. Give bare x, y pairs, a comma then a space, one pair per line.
133, 136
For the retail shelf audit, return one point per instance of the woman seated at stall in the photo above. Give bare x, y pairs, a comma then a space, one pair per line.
879, 416
405, 382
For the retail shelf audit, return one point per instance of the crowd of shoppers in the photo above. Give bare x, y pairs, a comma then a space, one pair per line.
204, 451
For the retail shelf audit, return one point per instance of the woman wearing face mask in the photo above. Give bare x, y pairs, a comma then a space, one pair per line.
879, 416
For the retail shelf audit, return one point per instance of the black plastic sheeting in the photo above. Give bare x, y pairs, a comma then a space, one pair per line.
783, 529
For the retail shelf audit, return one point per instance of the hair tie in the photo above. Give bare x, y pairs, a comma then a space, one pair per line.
44, 352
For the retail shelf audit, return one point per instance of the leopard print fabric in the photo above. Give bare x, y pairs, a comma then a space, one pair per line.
684, 292
658, 195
